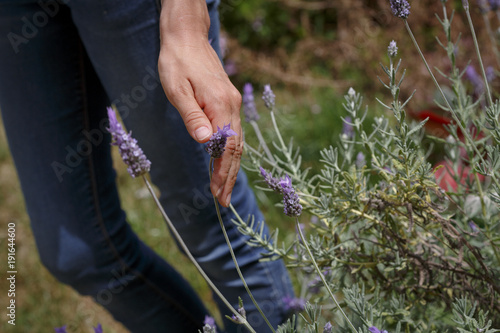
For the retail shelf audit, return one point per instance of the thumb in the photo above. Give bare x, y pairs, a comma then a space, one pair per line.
195, 120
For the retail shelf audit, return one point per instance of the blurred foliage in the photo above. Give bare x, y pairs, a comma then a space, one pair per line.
334, 43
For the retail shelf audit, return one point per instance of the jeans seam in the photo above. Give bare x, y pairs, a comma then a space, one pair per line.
95, 197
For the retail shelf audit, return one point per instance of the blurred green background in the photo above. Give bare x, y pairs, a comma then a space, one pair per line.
311, 52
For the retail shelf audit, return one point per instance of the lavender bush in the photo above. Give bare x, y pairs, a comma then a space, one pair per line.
394, 244
404, 245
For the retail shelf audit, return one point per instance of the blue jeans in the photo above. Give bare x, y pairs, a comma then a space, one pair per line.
61, 63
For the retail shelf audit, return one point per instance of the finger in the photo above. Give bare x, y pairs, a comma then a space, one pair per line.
226, 171
195, 120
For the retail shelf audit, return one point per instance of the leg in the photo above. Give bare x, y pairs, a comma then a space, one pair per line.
125, 59
53, 108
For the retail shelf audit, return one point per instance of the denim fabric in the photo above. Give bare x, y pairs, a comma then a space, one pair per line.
62, 62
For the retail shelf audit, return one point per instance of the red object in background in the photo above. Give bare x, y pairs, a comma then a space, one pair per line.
435, 127
446, 176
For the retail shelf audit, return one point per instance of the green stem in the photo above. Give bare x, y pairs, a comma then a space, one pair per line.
278, 133
233, 255
262, 141
322, 277
193, 260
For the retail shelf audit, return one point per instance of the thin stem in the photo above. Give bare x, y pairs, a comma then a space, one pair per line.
233, 256
262, 141
322, 277
476, 46
193, 260
278, 133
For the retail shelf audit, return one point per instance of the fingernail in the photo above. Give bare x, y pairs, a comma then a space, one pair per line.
228, 199
202, 133
219, 191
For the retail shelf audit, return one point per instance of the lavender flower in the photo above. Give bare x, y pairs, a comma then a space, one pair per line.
490, 73
242, 313
291, 201
392, 49
60, 329
475, 80
494, 4
249, 108
347, 128
98, 329
272, 182
373, 329
400, 8
129, 150
209, 325
268, 97
217, 143
328, 328
473, 227
294, 304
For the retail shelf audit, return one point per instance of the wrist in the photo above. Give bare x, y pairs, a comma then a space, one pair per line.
185, 20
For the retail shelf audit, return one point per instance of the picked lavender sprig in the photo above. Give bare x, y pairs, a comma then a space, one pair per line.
217, 143
129, 150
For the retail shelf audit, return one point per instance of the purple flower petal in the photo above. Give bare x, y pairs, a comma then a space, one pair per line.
217, 143
60, 329
400, 8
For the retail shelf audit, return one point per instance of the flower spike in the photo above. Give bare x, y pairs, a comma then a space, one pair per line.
129, 150
217, 143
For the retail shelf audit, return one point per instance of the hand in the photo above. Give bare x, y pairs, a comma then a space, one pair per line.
196, 84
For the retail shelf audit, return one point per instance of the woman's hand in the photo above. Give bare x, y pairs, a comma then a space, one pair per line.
195, 82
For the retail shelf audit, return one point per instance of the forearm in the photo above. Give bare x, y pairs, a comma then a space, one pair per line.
184, 20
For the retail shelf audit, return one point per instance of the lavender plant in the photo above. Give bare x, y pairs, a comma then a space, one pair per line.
391, 248
428, 254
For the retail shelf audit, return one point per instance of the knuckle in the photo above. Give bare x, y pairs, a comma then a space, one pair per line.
235, 149
191, 119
